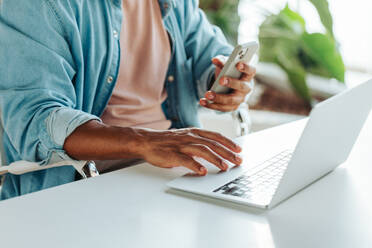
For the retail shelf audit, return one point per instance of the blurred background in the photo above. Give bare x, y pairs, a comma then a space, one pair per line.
310, 51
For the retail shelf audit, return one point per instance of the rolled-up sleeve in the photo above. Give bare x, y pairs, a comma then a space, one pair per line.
60, 123
39, 104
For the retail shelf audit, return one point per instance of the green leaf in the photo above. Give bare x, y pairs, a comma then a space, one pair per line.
322, 49
280, 37
322, 7
296, 74
292, 19
284, 22
287, 26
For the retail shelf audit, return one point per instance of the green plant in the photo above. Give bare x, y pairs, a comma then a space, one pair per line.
224, 14
285, 41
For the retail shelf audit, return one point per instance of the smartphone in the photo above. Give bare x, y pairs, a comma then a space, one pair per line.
242, 53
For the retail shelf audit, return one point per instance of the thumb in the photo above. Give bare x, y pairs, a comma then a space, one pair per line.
219, 61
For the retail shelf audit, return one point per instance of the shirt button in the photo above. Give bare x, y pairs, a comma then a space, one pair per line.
170, 79
110, 79
116, 34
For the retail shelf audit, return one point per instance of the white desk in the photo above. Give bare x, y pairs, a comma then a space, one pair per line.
134, 208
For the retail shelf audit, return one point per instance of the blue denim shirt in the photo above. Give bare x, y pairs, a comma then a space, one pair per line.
59, 61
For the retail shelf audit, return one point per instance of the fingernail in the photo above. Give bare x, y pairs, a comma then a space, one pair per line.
238, 159
225, 81
238, 147
241, 66
225, 166
210, 95
203, 171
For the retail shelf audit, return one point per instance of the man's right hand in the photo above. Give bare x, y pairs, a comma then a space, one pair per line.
173, 148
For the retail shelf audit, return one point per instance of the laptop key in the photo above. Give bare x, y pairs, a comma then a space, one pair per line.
263, 182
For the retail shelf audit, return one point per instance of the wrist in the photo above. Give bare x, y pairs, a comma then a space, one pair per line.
137, 142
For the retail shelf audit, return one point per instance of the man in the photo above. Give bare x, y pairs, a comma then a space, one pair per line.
84, 79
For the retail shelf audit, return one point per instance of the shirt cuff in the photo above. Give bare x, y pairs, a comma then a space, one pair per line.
60, 124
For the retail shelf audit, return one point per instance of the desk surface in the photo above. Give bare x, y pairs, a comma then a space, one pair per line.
134, 208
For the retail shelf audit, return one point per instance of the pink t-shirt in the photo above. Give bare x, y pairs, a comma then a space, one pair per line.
145, 55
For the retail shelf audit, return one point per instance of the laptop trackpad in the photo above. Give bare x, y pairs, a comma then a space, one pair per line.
211, 181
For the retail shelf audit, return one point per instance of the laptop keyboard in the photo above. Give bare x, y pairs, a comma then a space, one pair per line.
261, 183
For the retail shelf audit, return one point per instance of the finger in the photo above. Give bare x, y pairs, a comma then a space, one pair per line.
219, 61
217, 106
235, 98
247, 77
236, 84
217, 137
205, 153
250, 70
190, 163
221, 150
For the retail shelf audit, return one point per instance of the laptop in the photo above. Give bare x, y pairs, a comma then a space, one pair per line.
326, 141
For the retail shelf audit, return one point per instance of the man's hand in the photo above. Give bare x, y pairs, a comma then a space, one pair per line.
97, 141
240, 86
175, 148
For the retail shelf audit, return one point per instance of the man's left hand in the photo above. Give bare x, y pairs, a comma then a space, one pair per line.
240, 87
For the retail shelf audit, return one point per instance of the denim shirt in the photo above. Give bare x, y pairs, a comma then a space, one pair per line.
59, 61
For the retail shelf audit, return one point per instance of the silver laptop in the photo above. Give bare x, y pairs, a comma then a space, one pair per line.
325, 143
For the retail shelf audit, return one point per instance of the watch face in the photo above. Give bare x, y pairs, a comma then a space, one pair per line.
90, 169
